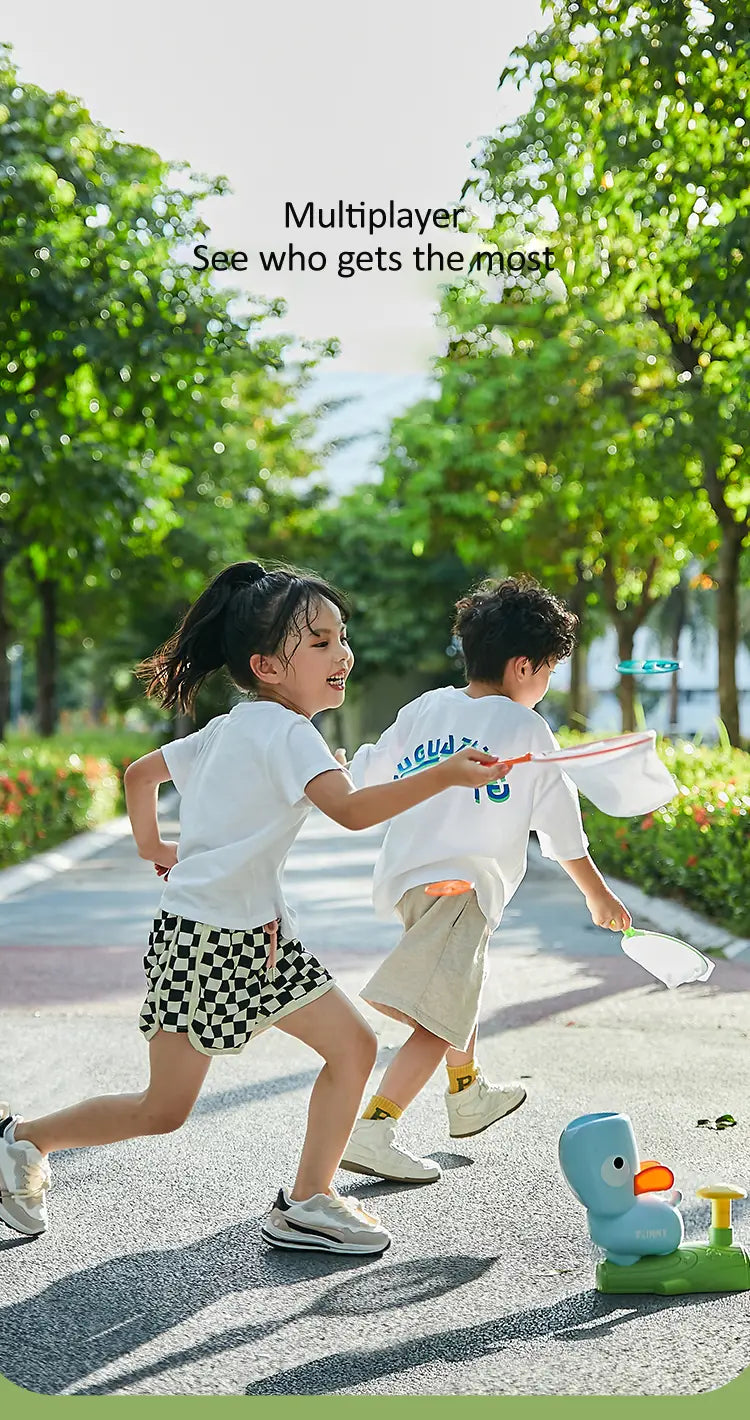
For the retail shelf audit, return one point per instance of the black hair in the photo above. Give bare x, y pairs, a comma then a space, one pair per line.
245, 611
515, 617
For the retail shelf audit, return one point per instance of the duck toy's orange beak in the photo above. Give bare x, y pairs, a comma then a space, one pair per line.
652, 1177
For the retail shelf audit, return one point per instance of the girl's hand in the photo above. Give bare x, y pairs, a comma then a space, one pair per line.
340, 757
607, 911
167, 857
471, 768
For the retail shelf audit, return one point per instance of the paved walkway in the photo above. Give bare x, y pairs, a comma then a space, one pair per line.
151, 1279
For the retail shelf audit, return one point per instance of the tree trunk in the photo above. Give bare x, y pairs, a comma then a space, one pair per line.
678, 625
46, 659
626, 624
5, 630
674, 691
626, 688
728, 578
577, 695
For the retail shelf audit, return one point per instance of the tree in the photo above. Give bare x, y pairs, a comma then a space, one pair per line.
402, 601
540, 453
685, 609
633, 161
115, 354
253, 476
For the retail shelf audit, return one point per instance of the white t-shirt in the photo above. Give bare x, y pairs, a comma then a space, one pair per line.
480, 835
242, 782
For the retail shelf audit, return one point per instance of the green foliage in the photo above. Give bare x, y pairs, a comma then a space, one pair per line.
149, 426
695, 849
53, 788
402, 601
119, 747
46, 796
543, 450
101, 345
633, 159
239, 501
590, 426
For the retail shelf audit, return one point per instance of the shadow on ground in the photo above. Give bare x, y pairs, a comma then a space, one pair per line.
614, 976
581, 1317
52, 1343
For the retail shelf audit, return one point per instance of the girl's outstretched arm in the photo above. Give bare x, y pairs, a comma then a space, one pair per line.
142, 780
375, 763
334, 793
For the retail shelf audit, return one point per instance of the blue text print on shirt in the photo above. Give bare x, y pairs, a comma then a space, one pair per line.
426, 755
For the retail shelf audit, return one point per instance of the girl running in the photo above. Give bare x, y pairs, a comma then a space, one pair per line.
223, 960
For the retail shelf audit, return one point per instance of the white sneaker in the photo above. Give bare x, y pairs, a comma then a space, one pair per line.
373, 1150
324, 1223
368, 1213
480, 1105
24, 1179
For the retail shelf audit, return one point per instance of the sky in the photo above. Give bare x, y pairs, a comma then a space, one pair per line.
303, 103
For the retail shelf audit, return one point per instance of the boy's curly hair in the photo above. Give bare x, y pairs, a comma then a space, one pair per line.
515, 617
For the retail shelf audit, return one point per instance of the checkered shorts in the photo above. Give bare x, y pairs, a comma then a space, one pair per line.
215, 984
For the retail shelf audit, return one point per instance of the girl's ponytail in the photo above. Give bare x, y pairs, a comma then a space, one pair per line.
240, 574
177, 670
245, 611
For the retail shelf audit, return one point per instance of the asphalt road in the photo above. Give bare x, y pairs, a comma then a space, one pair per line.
152, 1279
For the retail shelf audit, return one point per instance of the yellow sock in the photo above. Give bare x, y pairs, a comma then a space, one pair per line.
381, 1108
461, 1076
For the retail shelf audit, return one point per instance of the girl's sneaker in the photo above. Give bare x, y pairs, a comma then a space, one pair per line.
472, 1110
324, 1223
24, 1179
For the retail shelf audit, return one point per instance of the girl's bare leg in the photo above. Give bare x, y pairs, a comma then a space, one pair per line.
177, 1073
332, 1027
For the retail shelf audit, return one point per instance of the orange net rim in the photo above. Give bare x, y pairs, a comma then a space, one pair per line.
612, 745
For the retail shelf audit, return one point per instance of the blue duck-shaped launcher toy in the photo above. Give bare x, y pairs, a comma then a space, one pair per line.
600, 1163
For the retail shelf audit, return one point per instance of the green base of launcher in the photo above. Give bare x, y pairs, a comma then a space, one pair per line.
695, 1267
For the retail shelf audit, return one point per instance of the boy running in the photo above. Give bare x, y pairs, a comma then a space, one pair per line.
513, 634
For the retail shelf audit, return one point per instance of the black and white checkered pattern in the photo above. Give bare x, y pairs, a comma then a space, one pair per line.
215, 984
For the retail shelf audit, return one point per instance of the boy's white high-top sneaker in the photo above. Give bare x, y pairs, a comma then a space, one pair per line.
24, 1180
373, 1150
480, 1105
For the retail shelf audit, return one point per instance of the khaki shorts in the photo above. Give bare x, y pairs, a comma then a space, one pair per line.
434, 977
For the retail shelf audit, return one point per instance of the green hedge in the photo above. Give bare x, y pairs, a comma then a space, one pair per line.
50, 790
697, 848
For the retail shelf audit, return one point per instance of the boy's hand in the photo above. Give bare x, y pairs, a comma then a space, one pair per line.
166, 859
607, 911
470, 768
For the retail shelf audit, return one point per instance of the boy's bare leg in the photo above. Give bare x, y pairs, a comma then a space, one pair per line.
332, 1027
177, 1074
454, 1059
412, 1067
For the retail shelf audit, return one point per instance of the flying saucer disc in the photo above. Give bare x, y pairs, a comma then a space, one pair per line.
452, 887
647, 667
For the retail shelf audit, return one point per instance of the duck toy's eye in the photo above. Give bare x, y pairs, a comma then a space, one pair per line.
616, 1171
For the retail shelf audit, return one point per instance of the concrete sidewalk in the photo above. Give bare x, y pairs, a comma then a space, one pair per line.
152, 1280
